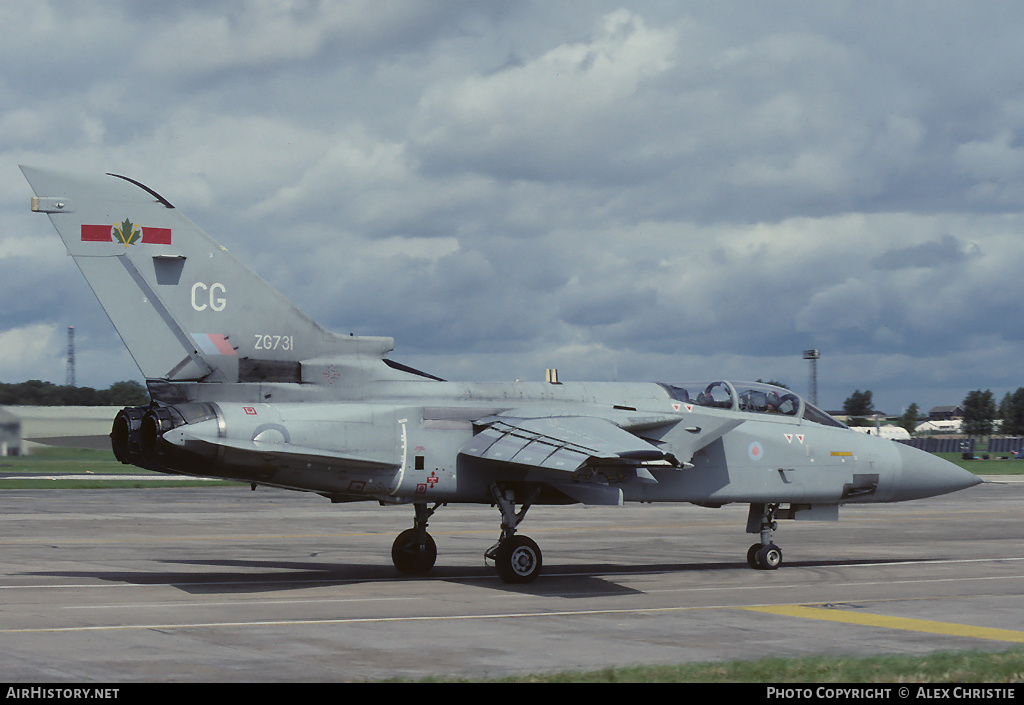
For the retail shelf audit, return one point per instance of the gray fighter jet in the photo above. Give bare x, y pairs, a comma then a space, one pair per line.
245, 386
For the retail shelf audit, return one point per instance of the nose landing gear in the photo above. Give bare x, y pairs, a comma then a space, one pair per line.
765, 555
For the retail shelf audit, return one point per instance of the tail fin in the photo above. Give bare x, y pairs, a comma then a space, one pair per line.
185, 308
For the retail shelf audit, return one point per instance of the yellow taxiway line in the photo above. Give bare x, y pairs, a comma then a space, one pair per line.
876, 620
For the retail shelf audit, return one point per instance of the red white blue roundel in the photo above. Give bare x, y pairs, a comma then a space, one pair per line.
755, 451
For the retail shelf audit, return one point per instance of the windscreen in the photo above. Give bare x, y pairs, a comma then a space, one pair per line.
816, 415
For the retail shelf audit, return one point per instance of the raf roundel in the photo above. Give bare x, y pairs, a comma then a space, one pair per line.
755, 451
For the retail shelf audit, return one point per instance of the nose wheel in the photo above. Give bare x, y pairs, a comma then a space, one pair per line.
765, 555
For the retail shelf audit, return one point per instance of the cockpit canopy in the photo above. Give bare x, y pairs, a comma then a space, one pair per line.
755, 397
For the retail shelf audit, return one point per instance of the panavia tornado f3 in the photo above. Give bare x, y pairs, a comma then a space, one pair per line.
246, 387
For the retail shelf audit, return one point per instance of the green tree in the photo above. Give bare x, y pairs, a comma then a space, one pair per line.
979, 413
76, 396
128, 393
909, 418
38, 393
857, 406
1011, 411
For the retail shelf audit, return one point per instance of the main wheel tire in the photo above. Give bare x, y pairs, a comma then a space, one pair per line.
518, 560
768, 557
410, 557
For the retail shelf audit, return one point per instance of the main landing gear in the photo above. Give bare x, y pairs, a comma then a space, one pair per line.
414, 551
765, 555
516, 558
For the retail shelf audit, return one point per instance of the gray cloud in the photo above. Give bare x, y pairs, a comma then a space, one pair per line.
947, 250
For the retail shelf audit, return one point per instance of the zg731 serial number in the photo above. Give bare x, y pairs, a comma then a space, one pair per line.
274, 342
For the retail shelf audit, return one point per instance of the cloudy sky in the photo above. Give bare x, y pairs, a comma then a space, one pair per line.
626, 191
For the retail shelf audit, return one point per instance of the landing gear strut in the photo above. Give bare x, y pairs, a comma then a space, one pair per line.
765, 555
414, 551
516, 558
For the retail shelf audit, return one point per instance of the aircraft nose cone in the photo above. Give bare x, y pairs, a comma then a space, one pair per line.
925, 475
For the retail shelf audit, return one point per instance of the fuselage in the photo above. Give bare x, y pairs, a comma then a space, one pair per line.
403, 443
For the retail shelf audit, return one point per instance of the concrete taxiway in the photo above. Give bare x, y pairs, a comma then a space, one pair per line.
224, 584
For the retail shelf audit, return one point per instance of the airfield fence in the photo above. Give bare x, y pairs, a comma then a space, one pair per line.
1005, 445
941, 445
964, 445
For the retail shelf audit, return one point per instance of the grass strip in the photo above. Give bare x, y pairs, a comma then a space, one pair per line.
58, 464
943, 667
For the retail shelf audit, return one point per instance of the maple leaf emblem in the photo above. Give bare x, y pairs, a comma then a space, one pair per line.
127, 233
